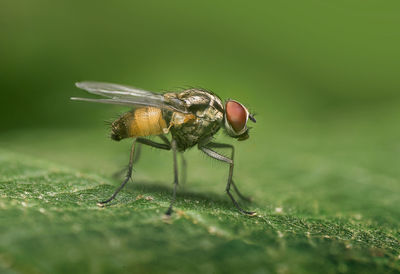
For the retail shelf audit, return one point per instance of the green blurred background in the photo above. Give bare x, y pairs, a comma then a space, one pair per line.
313, 71
288, 60
321, 76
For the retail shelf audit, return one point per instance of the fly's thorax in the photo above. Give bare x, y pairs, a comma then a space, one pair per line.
203, 119
194, 99
141, 122
179, 119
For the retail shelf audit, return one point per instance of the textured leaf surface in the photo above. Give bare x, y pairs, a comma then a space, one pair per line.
316, 212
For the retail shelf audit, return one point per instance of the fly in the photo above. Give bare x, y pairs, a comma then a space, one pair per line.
192, 117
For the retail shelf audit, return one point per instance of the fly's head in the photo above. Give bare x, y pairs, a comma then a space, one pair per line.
235, 120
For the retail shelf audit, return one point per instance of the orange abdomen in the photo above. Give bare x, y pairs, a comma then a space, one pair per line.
147, 121
139, 122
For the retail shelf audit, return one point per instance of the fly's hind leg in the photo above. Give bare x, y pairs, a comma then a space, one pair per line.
128, 176
131, 161
138, 152
136, 157
232, 148
213, 154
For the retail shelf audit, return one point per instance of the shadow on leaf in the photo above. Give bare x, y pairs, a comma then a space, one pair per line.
157, 189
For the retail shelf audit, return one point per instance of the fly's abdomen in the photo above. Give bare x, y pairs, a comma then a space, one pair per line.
140, 122
147, 121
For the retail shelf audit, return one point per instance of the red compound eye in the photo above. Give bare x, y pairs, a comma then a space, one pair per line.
236, 115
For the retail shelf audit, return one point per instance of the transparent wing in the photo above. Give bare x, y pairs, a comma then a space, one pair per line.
125, 95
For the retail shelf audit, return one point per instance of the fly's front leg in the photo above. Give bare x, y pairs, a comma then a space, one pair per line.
128, 176
218, 145
174, 150
222, 158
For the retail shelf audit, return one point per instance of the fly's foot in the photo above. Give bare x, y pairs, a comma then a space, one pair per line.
102, 204
250, 213
169, 211
241, 210
247, 213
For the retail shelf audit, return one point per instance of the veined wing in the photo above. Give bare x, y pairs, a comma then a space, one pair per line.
125, 95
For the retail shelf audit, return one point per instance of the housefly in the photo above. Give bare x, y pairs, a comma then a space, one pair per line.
192, 117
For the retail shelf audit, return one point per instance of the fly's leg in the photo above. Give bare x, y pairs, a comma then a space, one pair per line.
222, 158
136, 156
167, 145
218, 145
151, 143
184, 164
173, 146
138, 152
128, 176
131, 161
241, 196
165, 140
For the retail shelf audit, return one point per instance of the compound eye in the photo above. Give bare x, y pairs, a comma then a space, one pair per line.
236, 115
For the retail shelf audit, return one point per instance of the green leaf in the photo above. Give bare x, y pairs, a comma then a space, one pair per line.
308, 220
